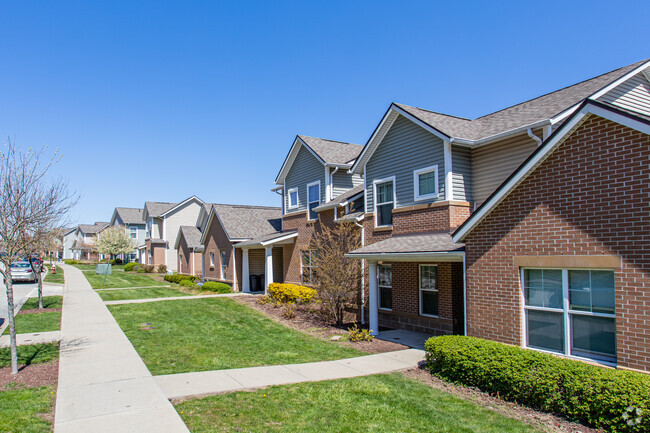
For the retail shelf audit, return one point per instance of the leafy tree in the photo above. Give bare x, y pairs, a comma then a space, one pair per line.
113, 241
337, 278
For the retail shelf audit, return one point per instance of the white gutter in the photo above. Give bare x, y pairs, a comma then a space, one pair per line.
442, 256
529, 131
464, 296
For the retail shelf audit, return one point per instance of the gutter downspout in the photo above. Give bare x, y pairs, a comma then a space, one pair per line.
331, 182
464, 296
363, 280
529, 131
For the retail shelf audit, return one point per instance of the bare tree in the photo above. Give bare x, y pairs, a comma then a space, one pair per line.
113, 241
31, 204
337, 277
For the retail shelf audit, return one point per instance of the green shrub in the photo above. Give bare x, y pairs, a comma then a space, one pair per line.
290, 293
130, 267
187, 283
616, 400
70, 262
216, 287
117, 261
357, 334
177, 278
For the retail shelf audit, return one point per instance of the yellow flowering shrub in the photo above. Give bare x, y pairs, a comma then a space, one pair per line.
291, 293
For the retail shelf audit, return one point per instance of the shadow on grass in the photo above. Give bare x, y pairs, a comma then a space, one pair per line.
27, 355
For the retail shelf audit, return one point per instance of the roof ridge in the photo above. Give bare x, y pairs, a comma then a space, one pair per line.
250, 206
328, 139
636, 64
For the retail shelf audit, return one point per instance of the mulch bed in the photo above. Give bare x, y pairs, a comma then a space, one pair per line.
309, 321
32, 376
542, 420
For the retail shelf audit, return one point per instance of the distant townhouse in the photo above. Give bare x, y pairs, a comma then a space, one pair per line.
83, 247
69, 237
163, 222
425, 173
133, 222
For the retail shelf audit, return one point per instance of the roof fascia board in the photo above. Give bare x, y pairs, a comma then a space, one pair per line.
280, 239
181, 204
588, 108
213, 213
293, 152
371, 140
178, 239
616, 83
442, 256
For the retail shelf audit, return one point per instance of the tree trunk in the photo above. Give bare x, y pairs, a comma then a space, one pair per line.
39, 279
12, 322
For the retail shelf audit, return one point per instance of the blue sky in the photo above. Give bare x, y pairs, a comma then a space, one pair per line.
159, 101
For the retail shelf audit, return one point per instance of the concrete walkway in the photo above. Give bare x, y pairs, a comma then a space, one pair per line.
221, 381
103, 384
173, 298
33, 338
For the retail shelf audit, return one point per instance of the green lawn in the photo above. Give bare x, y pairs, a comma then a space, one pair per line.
35, 354
216, 333
54, 278
92, 267
118, 278
20, 409
48, 302
382, 403
37, 322
154, 292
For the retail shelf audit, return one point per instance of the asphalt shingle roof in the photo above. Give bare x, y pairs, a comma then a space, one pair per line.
246, 222
192, 236
156, 208
525, 113
412, 243
333, 152
92, 228
265, 238
130, 215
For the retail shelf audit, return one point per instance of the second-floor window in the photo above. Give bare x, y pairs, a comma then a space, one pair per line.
425, 183
223, 265
293, 197
385, 202
133, 232
313, 199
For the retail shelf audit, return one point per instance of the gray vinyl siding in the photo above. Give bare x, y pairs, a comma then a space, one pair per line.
494, 162
461, 163
405, 148
633, 94
305, 169
342, 181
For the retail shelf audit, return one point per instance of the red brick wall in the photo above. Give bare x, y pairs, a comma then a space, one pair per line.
216, 241
589, 197
185, 257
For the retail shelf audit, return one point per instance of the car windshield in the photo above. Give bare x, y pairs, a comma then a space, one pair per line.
20, 265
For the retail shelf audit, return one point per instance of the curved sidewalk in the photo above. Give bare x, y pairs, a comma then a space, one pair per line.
103, 384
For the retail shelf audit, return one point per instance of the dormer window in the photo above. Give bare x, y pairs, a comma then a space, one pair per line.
425, 183
293, 197
313, 198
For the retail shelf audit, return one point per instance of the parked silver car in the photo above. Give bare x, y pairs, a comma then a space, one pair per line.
22, 271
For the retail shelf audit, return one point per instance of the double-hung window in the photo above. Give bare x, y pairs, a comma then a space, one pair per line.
425, 183
385, 202
212, 260
428, 290
571, 311
308, 266
293, 198
223, 264
313, 198
133, 232
385, 286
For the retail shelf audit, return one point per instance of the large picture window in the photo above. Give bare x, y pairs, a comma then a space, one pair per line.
313, 199
571, 312
385, 202
428, 290
308, 267
425, 183
385, 286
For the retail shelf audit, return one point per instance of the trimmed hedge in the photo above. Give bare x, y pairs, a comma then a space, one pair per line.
290, 293
216, 287
177, 278
616, 400
187, 283
70, 262
130, 267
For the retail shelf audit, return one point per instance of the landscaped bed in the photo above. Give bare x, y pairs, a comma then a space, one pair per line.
30, 319
382, 403
27, 399
153, 292
216, 333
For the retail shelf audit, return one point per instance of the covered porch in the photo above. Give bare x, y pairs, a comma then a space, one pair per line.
415, 283
263, 261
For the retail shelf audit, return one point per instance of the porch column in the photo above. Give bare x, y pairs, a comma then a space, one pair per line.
245, 273
373, 314
268, 268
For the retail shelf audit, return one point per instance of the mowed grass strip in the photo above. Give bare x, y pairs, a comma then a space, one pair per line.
382, 403
48, 302
21, 409
34, 354
37, 322
120, 278
213, 334
154, 292
57, 278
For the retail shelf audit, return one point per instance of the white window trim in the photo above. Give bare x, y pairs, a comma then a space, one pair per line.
310, 202
379, 307
375, 183
289, 205
311, 266
416, 183
420, 289
565, 311
212, 260
222, 256
131, 233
